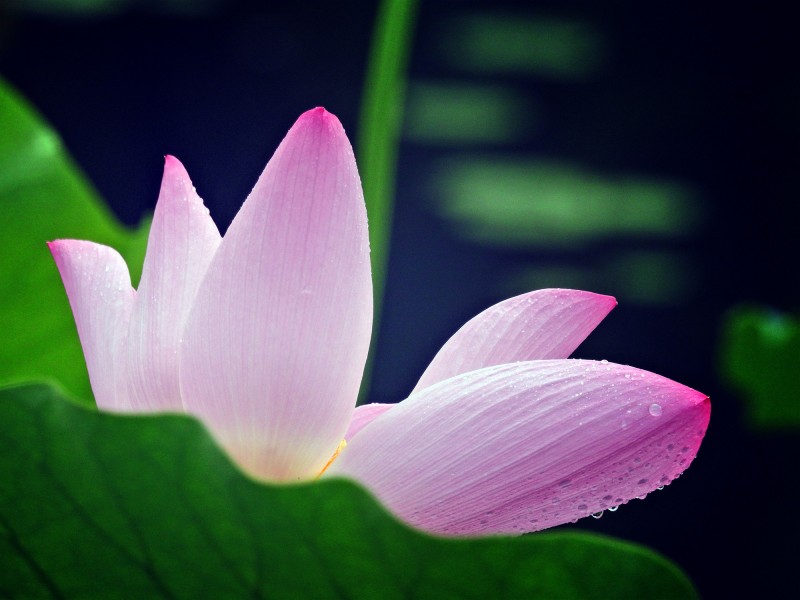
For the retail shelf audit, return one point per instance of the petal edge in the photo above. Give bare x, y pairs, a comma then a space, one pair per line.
543, 324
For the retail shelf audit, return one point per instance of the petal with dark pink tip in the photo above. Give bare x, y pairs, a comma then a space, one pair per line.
275, 345
521, 447
182, 241
539, 325
99, 289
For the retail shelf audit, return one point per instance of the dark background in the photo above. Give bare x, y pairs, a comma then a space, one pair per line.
701, 95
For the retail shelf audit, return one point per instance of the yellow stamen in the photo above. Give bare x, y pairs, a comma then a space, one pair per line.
341, 446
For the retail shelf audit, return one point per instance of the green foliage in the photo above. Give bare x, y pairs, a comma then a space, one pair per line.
494, 42
379, 137
534, 203
95, 505
462, 115
761, 357
380, 125
44, 197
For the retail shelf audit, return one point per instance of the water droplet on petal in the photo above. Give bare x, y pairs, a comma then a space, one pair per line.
655, 410
597, 515
613, 508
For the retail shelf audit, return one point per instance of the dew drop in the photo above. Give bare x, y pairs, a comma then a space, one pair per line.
597, 515
655, 410
613, 508
582, 507
661, 487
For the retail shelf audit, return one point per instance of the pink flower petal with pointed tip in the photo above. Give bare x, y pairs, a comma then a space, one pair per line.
539, 325
98, 286
275, 345
521, 447
182, 241
364, 415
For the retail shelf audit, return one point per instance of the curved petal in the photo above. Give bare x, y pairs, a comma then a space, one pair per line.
364, 415
275, 345
182, 241
99, 289
521, 447
538, 325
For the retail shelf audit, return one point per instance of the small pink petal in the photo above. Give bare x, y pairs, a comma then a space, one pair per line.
99, 289
275, 345
521, 447
538, 325
364, 415
182, 241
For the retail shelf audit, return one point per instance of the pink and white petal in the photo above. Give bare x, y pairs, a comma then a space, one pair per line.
364, 415
539, 325
182, 241
275, 345
525, 446
99, 289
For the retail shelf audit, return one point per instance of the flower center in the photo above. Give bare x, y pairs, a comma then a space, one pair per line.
339, 448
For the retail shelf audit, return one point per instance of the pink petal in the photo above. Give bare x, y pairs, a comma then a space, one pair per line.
275, 346
364, 415
539, 325
525, 446
182, 241
99, 290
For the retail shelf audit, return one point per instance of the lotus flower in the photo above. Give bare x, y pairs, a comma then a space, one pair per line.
263, 334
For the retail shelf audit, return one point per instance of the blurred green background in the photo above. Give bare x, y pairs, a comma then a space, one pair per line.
644, 151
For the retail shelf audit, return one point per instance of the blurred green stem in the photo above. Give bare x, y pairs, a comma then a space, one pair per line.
379, 134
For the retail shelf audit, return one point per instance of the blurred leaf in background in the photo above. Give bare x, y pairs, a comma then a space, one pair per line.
465, 114
507, 78
507, 42
761, 358
43, 197
149, 507
528, 203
